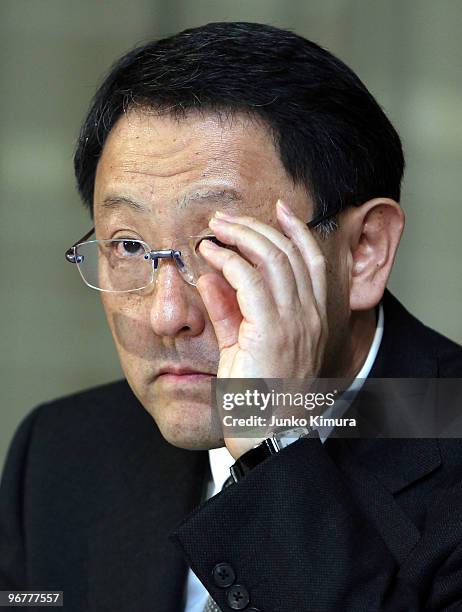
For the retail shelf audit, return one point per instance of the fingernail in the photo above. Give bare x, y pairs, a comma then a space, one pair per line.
222, 215
284, 208
208, 244
221, 221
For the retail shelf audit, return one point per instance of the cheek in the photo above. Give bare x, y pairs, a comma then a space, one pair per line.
337, 282
128, 320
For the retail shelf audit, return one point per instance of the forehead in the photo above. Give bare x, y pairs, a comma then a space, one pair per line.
153, 159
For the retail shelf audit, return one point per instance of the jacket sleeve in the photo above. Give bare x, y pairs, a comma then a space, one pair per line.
12, 487
296, 539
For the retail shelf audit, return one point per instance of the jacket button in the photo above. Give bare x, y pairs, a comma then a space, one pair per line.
237, 597
223, 575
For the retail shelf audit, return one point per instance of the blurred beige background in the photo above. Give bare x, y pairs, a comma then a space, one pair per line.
53, 54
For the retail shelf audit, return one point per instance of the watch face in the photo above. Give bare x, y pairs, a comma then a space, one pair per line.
285, 438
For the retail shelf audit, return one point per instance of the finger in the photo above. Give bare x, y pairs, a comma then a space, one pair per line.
252, 293
272, 262
299, 267
299, 232
222, 307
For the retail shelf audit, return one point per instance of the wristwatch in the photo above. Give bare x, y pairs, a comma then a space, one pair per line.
269, 446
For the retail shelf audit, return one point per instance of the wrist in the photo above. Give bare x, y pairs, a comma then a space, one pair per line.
268, 447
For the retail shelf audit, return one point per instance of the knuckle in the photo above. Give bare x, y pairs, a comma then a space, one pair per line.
291, 250
248, 220
231, 258
277, 257
319, 262
316, 324
257, 280
316, 328
251, 335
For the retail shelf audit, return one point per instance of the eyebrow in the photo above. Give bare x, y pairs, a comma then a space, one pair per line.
224, 195
120, 201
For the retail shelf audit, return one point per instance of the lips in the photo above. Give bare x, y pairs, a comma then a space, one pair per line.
182, 371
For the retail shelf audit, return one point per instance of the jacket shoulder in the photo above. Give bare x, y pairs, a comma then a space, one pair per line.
60, 416
97, 397
74, 448
413, 349
447, 353
84, 421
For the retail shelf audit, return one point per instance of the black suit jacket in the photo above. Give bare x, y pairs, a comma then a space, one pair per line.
94, 502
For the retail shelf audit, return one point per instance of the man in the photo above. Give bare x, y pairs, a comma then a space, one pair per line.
271, 147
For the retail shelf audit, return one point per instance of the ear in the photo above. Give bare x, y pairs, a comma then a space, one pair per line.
374, 230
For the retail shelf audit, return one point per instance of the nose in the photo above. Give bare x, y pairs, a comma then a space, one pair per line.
175, 308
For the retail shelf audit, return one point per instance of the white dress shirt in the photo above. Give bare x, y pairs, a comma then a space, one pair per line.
221, 460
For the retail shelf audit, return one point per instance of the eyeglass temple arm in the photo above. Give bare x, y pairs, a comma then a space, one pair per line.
155, 255
70, 255
321, 217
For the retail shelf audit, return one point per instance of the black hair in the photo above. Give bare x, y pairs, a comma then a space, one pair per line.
331, 135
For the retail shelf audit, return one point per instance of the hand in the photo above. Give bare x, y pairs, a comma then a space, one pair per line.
268, 306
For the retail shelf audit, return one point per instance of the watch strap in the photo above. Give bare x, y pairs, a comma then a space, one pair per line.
269, 446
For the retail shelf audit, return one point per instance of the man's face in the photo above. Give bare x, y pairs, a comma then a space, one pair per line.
181, 172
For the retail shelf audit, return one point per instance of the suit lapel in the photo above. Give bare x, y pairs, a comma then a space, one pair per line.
376, 500
132, 565
403, 353
379, 468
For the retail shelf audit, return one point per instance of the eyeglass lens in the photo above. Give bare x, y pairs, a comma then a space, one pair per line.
125, 265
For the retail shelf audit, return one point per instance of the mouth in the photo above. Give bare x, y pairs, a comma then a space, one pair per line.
183, 375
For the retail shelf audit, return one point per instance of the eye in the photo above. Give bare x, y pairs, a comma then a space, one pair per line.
128, 248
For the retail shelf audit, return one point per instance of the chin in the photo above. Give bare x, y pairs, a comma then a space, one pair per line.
189, 425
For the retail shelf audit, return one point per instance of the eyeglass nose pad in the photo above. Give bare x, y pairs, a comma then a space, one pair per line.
165, 254
154, 258
186, 273
177, 257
